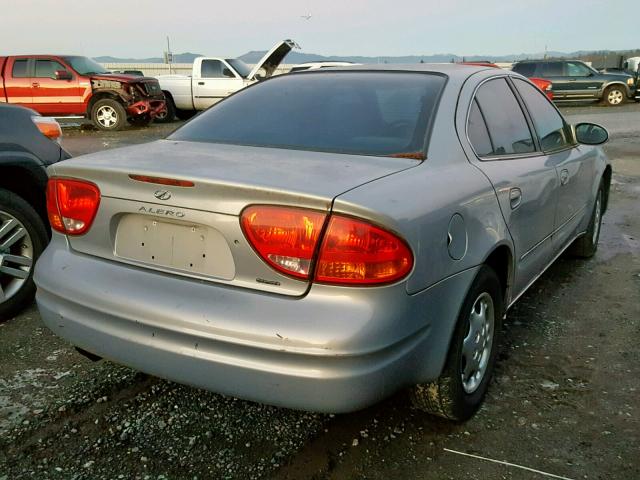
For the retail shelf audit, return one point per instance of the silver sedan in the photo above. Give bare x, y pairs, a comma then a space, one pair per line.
320, 240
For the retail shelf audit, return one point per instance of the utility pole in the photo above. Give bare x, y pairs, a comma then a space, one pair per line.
168, 56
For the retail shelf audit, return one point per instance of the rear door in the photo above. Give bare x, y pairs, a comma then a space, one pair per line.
51, 96
554, 71
525, 181
576, 165
581, 81
17, 81
217, 80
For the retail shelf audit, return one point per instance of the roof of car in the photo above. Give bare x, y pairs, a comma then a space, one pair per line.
449, 69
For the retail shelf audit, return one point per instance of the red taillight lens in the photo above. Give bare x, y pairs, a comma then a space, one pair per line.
354, 252
284, 237
72, 205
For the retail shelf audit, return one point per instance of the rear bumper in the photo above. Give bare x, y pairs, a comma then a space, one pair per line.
334, 350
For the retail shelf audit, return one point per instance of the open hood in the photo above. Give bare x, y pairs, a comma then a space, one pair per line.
273, 58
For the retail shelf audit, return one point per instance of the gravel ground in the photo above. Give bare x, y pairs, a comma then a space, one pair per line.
564, 401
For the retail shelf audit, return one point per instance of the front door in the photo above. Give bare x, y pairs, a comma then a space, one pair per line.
581, 82
217, 81
52, 96
524, 179
576, 165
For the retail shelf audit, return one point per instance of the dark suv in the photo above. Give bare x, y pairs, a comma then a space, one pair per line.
574, 80
25, 153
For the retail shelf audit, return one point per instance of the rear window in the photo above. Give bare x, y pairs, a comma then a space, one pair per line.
367, 113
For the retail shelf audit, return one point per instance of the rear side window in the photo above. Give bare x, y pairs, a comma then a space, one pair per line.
552, 130
20, 69
478, 133
368, 113
506, 123
525, 69
552, 69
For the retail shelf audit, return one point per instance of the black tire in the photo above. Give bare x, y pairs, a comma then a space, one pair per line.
614, 96
170, 114
446, 397
24, 213
116, 120
587, 245
185, 114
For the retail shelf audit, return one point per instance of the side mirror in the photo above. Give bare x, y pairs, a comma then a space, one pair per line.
62, 75
228, 73
590, 134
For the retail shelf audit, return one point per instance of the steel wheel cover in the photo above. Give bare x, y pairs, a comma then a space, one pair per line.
16, 255
477, 345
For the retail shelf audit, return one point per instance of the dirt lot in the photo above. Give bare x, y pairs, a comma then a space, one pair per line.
564, 401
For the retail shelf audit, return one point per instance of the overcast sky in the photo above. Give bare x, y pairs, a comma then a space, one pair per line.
137, 28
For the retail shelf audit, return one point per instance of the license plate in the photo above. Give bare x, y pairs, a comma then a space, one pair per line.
189, 248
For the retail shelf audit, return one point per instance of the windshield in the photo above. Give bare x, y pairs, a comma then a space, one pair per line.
240, 67
367, 113
85, 66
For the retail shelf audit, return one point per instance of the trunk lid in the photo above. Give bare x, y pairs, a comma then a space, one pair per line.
195, 231
273, 58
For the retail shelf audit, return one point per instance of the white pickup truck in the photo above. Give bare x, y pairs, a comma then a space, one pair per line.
214, 79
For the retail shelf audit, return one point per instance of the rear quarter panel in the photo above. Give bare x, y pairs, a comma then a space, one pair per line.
419, 204
180, 89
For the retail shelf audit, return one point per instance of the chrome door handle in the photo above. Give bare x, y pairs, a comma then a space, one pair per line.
515, 198
564, 176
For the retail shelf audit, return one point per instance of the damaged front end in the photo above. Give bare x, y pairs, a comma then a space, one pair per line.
141, 96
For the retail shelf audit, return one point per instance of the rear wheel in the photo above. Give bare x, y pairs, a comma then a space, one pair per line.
587, 245
23, 237
108, 114
463, 384
169, 114
614, 96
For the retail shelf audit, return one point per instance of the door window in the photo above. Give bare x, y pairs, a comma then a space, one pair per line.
478, 133
212, 69
552, 69
575, 69
506, 124
20, 69
47, 68
552, 130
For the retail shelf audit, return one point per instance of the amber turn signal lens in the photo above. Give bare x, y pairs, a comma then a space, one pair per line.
49, 127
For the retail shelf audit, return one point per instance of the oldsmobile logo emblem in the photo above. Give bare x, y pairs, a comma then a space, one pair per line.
162, 194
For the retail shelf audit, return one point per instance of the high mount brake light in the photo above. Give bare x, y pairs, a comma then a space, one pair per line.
352, 252
173, 182
72, 205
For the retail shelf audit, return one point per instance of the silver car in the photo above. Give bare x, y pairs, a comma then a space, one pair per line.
321, 240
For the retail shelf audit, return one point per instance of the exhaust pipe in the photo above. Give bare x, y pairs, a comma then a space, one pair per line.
91, 356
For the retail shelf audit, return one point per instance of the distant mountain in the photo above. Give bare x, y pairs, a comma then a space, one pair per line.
177, 58
296, 57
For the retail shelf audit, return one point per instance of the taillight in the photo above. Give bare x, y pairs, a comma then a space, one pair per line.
286, 238
353, 252
72, 205
48, 126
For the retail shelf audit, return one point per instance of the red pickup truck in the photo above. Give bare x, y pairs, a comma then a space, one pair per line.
77, 86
